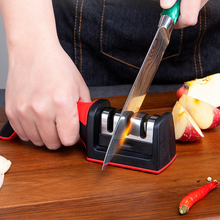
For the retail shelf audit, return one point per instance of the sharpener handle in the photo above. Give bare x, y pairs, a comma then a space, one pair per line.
173, 12
7, 132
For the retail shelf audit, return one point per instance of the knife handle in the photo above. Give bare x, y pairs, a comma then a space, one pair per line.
173, 12
86, 110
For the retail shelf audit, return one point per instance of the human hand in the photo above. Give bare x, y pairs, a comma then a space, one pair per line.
43, 85
189, 10
42, 92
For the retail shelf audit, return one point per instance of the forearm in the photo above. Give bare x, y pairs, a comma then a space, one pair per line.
28, 22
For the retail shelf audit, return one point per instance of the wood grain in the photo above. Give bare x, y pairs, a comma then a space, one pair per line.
44, 184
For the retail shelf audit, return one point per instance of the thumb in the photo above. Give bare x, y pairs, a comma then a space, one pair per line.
165, 4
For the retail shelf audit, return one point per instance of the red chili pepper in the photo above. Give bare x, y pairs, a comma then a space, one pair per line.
189, 200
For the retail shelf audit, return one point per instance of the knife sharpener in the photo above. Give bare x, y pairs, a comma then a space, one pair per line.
149, 146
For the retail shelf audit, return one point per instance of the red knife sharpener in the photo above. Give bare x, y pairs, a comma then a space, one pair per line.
150, 145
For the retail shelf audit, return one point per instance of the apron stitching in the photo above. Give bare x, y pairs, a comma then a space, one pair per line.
74, 35
180, 47
199, 51
101, 42
79, 35
128, 64
195, 49
101, 34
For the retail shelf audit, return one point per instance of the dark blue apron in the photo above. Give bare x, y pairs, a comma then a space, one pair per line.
108, 40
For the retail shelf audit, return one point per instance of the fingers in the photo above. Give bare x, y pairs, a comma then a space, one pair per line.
18, 128
189, 11
167, 3
48, 134
52, 127
67, 124
188, 15
25, 130
35, 128
53, 135
28, 131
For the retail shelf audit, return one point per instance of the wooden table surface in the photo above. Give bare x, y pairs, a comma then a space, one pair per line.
44, 184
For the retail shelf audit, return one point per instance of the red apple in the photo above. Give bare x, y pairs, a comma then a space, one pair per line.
205, 115
184, 89
206, 89
185, 127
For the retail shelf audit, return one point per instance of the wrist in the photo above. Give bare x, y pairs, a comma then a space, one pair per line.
30, 41
30, 35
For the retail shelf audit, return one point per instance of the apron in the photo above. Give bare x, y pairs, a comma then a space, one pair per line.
109, 39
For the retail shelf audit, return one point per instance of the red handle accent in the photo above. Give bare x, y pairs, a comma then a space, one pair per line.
83, 109
11, 137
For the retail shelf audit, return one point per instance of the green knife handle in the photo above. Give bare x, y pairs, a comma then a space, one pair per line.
173, 12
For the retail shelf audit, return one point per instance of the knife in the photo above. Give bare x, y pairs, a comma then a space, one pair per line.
144, 78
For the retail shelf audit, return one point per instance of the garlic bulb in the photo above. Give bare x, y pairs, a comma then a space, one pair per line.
4, 167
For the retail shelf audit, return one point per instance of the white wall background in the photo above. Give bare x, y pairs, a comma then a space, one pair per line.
3, 56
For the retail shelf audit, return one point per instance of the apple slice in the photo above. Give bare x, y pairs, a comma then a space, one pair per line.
206, 89
185, 127
205, 115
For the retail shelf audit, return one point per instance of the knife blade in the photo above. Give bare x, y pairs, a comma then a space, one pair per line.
144, 78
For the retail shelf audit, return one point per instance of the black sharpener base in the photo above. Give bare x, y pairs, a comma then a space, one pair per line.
152, 152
